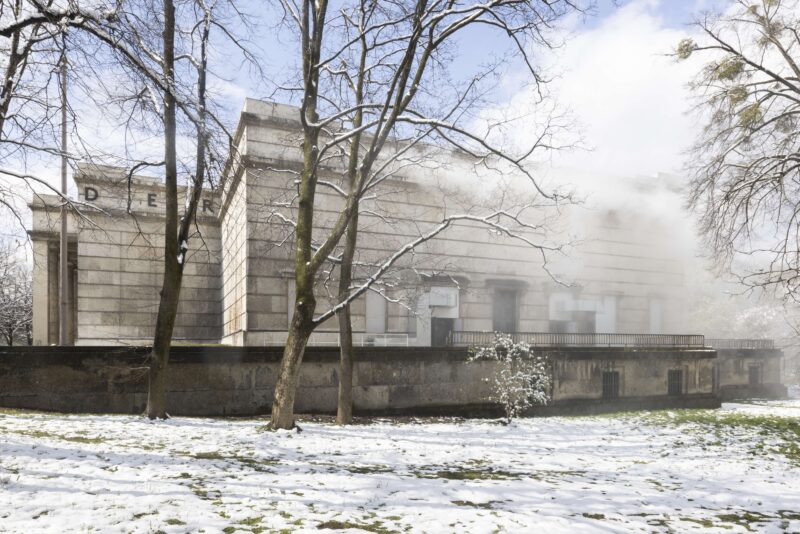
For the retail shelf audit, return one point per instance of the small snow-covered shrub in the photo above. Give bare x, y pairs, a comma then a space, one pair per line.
522, 376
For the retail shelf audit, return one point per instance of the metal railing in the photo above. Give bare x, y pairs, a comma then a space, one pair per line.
366, 340
752, 344
547, 339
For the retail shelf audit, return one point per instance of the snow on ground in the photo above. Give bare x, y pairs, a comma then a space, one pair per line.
729, 470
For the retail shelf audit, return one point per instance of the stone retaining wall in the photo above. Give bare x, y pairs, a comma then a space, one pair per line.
217, 380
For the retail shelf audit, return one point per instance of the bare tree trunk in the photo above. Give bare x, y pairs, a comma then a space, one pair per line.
14, 60
302, 324
170, 290
344, 412
286, 387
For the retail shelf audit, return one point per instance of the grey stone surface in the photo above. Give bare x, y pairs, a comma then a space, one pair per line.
240, 381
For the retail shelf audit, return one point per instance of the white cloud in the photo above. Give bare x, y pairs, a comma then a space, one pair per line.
631, 99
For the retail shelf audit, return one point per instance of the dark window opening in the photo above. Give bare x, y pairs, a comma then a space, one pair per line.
585, 322
441, 330
610, 385
715, 379
675, 382
504, 316
754, 375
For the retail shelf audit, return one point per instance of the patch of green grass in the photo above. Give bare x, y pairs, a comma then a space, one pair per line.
199, 489
40, 434
488, 505
705, 523
751, 521
369, 469
251, 521
785, 429
593, 516
256, 464
212, 455
465, 473
375, 526
174, 521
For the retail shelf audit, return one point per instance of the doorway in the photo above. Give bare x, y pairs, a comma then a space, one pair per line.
440, 331
504, 308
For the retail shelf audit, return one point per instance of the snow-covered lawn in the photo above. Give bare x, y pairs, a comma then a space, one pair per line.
728, 470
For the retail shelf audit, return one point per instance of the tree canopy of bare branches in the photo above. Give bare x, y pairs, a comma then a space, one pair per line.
16, 297
746, 162
375, 87
148, 75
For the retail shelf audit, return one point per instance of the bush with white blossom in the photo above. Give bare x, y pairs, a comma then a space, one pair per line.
522, 376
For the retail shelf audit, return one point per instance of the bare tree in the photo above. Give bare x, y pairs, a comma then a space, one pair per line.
373, 89
746, 161
16, 297
177, 70
31, 33
164, 63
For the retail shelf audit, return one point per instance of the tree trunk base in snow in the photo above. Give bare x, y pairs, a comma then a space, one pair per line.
157, 389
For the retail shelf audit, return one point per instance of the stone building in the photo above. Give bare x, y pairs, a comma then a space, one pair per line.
624, 274
237, 290
624, 268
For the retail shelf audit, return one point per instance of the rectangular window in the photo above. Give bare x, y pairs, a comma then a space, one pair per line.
504, 308
754, 375
610, 385
675, 382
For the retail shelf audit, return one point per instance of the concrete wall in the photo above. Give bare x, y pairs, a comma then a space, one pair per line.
733, 373
643, 373
240, 380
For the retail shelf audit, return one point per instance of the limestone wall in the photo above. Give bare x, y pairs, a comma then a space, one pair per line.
119, 263
238, 287
619, 269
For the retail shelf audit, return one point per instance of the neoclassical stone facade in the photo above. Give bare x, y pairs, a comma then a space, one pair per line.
238, 288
